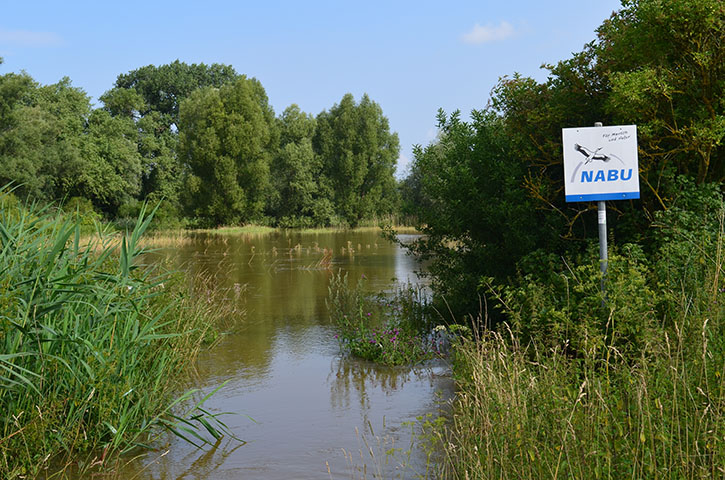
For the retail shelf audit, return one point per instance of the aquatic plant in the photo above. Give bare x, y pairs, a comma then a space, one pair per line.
93, 342
375, 328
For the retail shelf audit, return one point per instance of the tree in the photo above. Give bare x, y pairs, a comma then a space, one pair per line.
110, 174
23, 128
163, 88
656, 63
358, 154
474, 210
53, 146
302, 194
227, 135
151, 96
665, 60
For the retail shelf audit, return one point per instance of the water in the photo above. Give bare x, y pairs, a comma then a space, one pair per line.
303, 410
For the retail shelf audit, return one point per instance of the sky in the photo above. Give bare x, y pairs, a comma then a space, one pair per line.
411, 57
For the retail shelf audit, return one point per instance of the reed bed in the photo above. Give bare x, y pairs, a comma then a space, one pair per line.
93, 342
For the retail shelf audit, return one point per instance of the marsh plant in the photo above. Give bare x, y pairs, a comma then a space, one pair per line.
383, 328
573, 389
93, 342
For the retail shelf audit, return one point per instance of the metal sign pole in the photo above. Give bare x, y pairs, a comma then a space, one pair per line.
603, 255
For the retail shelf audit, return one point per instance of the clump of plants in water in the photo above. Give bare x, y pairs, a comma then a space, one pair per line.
388, 329
92, 342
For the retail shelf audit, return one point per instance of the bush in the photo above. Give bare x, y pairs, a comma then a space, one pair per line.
567, 306
574, 389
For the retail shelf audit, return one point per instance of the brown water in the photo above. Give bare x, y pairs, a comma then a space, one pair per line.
312, 408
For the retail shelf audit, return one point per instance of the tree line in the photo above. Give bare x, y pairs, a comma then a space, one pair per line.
202, 138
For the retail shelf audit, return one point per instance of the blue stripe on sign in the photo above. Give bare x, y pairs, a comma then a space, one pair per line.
602, 196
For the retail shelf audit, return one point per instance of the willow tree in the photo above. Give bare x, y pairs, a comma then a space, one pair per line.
358, 154
151, 96
302, 193
226, 138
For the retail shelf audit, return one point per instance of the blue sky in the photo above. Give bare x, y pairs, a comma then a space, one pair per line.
410, 57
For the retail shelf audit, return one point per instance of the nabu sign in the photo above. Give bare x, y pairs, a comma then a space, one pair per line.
600, 163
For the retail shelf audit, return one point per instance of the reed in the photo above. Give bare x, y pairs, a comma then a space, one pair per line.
92, 341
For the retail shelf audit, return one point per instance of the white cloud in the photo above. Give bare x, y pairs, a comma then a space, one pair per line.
488, 33
27, 38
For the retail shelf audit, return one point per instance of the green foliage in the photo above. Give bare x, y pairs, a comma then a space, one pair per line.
666, 63
226, 138
301, 198
164, 87
490, 191
81, 211
686, 237
474, 212
576, 390
152, 96
205, 141
92, 342
567, 305
386, 331
53, 146
110, 171
42, 128
358, 155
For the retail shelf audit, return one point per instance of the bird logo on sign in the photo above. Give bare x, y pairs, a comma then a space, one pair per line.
592, 155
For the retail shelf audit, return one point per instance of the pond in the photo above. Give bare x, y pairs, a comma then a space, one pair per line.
303, 409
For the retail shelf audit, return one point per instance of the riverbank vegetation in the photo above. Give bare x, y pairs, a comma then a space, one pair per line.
561, 380
573, 389
205, 140
93, 343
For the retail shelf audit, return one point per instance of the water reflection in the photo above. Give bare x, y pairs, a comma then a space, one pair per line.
352, 381
283, 365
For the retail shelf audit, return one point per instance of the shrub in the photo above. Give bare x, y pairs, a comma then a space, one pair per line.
567, 306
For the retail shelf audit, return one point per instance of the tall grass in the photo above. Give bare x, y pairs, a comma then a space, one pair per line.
91, 344
598, 407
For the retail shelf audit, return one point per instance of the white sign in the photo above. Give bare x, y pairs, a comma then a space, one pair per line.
600, 163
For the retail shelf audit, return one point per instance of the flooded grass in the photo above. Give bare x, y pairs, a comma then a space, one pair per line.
262, 230
93, 343
242, 230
